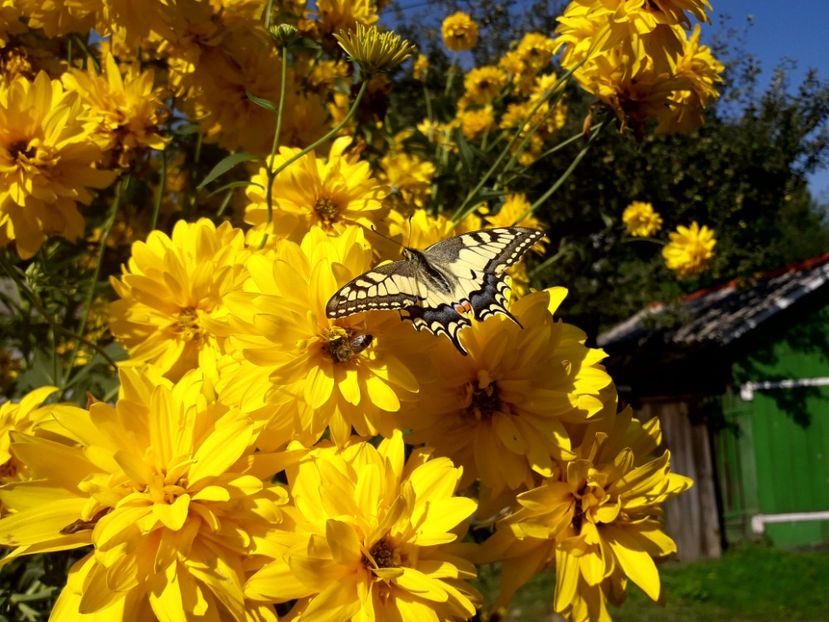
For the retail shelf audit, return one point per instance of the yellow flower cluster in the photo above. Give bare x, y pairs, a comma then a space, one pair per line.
640, 59
256, 454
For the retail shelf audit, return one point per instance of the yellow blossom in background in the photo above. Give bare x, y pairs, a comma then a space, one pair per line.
697, 65
459, 32
689, 250
375, 538
330, 193
336, 15
164, 487
483, 84
638, 59
10, 23
535, 51
641, 220
128, 108
172, 294
420, 67
439, 133
500, 412
299, 369
476, 122
59, 17
597, 519
419, 229
48, 159
408, 177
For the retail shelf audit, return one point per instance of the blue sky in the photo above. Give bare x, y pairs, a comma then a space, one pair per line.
795, 29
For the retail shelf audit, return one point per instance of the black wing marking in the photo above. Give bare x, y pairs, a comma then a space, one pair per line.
442, 319
491, 299
390, 286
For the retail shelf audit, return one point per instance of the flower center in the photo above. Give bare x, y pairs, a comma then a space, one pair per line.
484, 401
343, 344
327, 210
22, 148
381, 555
9, 469
187, 325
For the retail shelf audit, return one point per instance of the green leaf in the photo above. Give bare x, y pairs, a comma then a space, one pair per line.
235, 184
225, 164
262, 102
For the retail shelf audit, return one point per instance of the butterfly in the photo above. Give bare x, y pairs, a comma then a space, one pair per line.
437, 287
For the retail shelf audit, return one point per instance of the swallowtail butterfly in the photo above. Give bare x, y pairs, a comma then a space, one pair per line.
436, 288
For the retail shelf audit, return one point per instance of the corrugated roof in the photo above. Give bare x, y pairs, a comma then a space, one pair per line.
723, 314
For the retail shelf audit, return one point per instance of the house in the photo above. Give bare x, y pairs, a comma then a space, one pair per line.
739, 376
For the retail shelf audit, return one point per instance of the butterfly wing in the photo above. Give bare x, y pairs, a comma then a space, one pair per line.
478, 262
389, 286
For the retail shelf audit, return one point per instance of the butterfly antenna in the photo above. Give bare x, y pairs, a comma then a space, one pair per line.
385, 237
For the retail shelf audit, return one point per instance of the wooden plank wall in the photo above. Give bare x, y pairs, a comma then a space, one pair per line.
691, 519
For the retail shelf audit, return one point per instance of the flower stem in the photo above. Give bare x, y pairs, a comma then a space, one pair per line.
90, 293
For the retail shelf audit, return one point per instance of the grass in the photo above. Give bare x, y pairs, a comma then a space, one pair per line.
750, 583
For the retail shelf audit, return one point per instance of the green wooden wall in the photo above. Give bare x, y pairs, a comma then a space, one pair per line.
773, 454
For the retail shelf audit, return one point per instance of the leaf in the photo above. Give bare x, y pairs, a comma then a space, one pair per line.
262, 102
225, 164
235, 184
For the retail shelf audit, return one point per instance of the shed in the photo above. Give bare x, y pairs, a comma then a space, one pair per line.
739, 376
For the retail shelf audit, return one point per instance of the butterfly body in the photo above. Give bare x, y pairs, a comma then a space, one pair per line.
438, 287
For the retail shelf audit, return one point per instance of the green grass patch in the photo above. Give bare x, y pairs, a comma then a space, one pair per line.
750, 583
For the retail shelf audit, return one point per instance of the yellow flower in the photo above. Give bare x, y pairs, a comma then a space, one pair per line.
172, 296
536, 51
420, 229
48, 161
10, 23
303, 370
214, 82
408, 177
597, 518
164, 486
459, 32
500, 411
483, 84
330, 193
638, 60
28, 416
690, 250
476, 122
373, 50
420, 68
641, 220
701, 70
375, 538
336, 15
128, 108
58, 17
439, 133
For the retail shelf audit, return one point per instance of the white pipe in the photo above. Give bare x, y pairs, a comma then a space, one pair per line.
747, 390
758, 521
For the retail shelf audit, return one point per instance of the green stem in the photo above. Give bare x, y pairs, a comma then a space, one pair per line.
283, 82
565, 175
428, 99
90, 294
268, 11
162, 181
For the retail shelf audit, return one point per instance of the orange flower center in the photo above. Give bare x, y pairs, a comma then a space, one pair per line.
381, 555
327, 210
485, 400
187, 325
